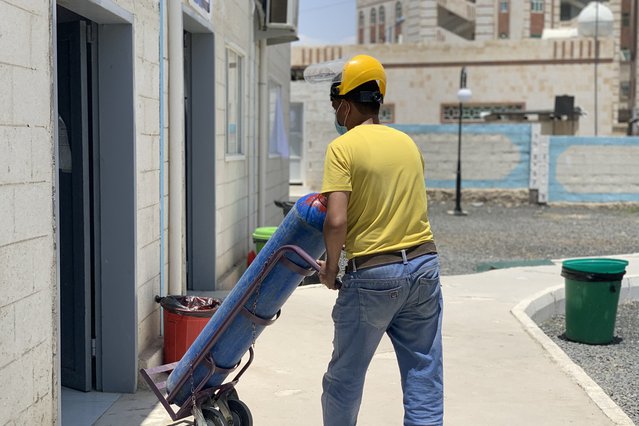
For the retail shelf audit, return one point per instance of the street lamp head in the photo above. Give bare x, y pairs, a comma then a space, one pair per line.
595, 20
464, 94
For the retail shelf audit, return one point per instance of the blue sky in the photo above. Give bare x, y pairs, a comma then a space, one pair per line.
326, 22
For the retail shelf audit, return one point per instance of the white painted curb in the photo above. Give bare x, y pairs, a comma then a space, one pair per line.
549, 303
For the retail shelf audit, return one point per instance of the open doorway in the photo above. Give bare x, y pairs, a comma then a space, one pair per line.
75, 68
199, 112
95, 196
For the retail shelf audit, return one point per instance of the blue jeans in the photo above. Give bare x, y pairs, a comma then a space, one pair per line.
405, 301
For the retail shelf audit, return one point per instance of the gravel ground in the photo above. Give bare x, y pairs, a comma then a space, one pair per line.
614, 367
494, 235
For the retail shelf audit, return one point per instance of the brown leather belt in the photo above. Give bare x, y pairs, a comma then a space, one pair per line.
379, 259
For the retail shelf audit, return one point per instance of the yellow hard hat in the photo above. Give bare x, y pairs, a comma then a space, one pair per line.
358, 70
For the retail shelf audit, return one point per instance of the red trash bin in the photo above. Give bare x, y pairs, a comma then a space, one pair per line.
184, 319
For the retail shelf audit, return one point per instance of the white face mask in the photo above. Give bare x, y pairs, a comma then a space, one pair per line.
341, 129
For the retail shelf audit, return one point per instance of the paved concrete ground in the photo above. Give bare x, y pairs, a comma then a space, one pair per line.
495, 373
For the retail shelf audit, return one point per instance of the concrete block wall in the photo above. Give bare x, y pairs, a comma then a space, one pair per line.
147, 121
237, 176
232, 172
28, 309
593, 169
493, 156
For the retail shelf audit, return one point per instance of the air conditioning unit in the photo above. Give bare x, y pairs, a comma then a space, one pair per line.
281, 14
280, 20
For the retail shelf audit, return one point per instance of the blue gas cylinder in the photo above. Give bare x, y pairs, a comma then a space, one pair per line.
301, 227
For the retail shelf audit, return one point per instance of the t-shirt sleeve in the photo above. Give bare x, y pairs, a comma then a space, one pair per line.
337, 170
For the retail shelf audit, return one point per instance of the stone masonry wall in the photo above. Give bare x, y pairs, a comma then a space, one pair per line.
593, 169
27, 268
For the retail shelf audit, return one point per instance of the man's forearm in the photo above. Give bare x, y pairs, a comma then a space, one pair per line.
334, 237
335, 229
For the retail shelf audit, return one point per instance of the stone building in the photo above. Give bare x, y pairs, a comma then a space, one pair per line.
142, 142
451, 21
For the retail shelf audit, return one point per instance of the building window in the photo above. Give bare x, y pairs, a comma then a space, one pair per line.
277, 140
503, 6
234, 131
476, 112
624, 90
625, 19
360, 28
373, 26
382, 24
399, 18
537, 6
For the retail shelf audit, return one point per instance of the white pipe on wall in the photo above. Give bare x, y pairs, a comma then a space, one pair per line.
252, 148
263, 133
176, 143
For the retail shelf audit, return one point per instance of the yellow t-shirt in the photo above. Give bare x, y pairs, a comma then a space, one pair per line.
383, 170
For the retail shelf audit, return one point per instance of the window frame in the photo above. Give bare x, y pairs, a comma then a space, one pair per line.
361, 25
537, 6
373, 25
238, 151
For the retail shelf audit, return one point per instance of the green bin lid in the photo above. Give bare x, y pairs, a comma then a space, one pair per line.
264, 233
597, 265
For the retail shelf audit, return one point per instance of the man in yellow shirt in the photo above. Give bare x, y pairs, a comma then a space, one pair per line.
377, 211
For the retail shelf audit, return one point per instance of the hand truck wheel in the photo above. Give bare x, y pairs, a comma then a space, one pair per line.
241, 413
213, 417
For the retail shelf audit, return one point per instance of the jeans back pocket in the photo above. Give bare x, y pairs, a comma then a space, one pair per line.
378, 307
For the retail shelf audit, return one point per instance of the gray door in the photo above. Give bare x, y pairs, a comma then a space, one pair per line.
74, 206
199, 103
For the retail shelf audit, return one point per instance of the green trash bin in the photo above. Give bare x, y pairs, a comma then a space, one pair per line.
592, 294
261, 236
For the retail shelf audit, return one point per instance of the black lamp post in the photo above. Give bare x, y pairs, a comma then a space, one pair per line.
463, 95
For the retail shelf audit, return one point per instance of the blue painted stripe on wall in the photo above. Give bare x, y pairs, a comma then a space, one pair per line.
515, 129
566, 141
519, 134
558, 145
